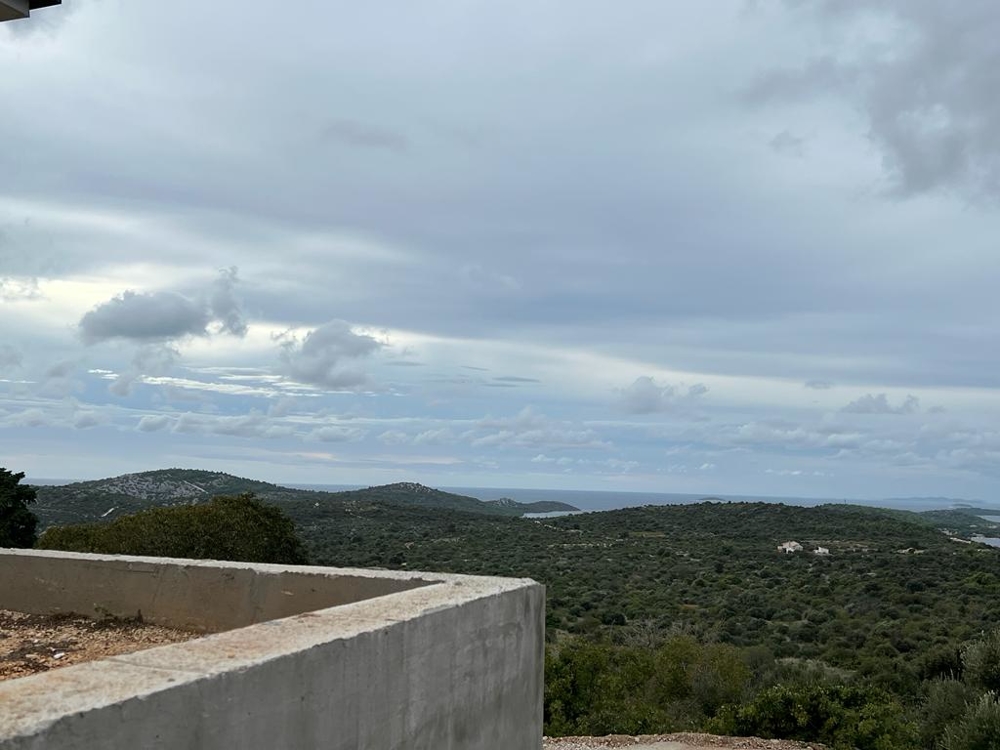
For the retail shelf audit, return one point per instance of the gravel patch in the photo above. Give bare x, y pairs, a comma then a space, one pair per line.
37, 643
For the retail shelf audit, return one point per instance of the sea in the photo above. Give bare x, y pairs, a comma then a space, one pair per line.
598, 500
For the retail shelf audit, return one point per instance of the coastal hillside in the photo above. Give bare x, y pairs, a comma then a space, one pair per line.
107, 499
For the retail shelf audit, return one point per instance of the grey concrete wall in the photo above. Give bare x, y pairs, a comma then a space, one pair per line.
188, 594
454, 664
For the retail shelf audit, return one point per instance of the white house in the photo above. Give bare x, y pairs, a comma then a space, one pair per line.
821, 551
790, 547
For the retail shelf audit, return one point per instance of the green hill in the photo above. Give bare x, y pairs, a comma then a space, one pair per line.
107, 499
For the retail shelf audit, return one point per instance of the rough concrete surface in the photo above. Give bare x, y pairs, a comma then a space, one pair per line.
431, 661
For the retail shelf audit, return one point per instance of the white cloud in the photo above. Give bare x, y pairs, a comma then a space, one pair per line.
528, 429
333, 434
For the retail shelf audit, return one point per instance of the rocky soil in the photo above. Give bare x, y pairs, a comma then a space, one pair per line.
37, 643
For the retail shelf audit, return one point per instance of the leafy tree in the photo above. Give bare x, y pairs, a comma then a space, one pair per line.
17, 523
239, 528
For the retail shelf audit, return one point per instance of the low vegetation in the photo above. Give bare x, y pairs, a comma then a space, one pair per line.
678, 618
240, 528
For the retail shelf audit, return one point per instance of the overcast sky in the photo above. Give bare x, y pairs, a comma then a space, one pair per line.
729, 247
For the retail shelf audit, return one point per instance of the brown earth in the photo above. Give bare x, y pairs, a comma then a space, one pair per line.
37, 643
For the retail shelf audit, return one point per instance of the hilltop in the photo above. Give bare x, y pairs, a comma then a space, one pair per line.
106, 499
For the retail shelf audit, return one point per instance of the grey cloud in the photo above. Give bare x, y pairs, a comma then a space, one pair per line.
879, 404
531, 430
787, 143
282, 407
153, 423
516, 379
364, 135
225, 306
481, 279
252, 425
142, 316
28, 418
167, 315
10, 356
794, 437
338, 434
818, 385
60, 369
645, 396
394, 437
820, 75
152, 360
327, 356
930, 103
434, 437
83, 420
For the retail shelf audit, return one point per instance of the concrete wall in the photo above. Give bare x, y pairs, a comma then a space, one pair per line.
189, 594
441, 662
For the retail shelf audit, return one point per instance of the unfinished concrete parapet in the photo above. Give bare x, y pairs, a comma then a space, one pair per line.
307, 657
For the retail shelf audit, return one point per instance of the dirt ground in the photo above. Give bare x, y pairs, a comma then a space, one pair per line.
37, 643
674, 742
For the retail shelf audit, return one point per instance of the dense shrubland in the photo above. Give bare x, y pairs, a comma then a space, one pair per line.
688, 618
240, 528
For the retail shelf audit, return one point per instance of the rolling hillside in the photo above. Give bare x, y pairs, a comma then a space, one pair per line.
106, 499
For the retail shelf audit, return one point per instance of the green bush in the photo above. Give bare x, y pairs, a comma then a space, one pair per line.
842, 716
978, 729
239, 528
947, 701
600, 688
981, 662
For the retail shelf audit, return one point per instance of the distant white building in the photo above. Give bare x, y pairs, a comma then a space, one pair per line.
821, 551
789, 547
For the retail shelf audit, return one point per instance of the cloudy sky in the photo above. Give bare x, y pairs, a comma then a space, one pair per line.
729, 247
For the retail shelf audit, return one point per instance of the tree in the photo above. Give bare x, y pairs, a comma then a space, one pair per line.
17, 523
239, 528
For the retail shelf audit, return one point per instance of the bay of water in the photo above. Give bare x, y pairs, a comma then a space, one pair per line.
595, 500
